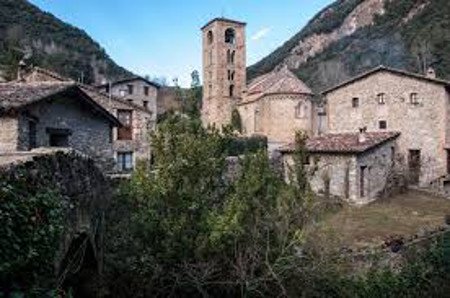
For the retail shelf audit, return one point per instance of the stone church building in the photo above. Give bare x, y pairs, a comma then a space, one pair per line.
276, 104
366, 124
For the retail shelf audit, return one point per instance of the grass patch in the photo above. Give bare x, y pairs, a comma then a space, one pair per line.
404, 214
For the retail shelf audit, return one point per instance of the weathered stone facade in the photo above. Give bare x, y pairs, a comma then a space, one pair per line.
392, 100
275, 117
357, 177
224, 69
143, 116
47, 114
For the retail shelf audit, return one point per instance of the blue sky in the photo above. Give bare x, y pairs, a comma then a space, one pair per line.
162, 37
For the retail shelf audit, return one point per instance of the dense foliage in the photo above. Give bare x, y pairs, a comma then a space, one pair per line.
31, 223
50, 43
190, 226
414, 45
236, 146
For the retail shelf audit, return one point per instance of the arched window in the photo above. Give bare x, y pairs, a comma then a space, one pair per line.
230, 36
301, 110
210, 37
228, 56
257, 120
231, 91
233, 55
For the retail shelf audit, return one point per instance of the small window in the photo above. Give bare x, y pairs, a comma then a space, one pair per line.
381, 98
107, 89
146, 90
233, 55
355, 102
122, 92
130, 89
231, 91
300, 110
145, 104
125, 161
382, 124
230, 36
125, 132
210, 37
414, 98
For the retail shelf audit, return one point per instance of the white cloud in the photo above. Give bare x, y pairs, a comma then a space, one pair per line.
261, 34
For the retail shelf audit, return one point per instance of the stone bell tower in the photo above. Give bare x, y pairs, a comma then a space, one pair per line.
224, 69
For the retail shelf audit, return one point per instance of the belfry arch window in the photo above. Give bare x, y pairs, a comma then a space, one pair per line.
210, 37
230, 56
230, 36
231, 91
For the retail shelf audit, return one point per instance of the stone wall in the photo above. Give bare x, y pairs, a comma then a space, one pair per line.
85, 191
90, 132
423, 126
275, 117
9, 133
340, 174
138, 97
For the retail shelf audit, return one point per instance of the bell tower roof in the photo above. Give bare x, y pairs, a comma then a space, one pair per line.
224, 20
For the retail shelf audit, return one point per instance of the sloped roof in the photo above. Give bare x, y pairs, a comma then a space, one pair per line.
223, 20
278, 82
14, 96
344, 143
391, 70
130, 79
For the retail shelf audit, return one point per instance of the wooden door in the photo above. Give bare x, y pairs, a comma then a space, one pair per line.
414, 165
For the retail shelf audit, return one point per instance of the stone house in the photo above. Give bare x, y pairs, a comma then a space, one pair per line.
417, 106
138, 119
352, 166
54, 114
275, 104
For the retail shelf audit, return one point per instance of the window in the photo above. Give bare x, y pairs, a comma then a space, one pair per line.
231, 91
230, 36
125, 132
130, 89
107, 89
145, 104
210, 37
300, 110
32, 135
393, 155
230, 75
382, 124
146, 90
355, 102
125, 161
122, 92
58, 137
381, 99
233, 55
414, 98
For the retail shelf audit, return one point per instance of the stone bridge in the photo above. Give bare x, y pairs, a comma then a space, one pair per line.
86, 193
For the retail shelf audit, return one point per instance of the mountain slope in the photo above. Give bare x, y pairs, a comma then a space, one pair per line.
352, 36
50, 43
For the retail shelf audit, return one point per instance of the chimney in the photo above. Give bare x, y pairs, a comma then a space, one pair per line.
21, 71
431, 73
362, 135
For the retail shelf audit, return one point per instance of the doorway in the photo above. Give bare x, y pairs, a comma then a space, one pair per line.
414, 166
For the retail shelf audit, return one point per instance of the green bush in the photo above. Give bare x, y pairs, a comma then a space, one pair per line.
31, 221
236, 146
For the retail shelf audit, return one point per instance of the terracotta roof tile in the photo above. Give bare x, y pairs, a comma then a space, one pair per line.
277, 82
343, 143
